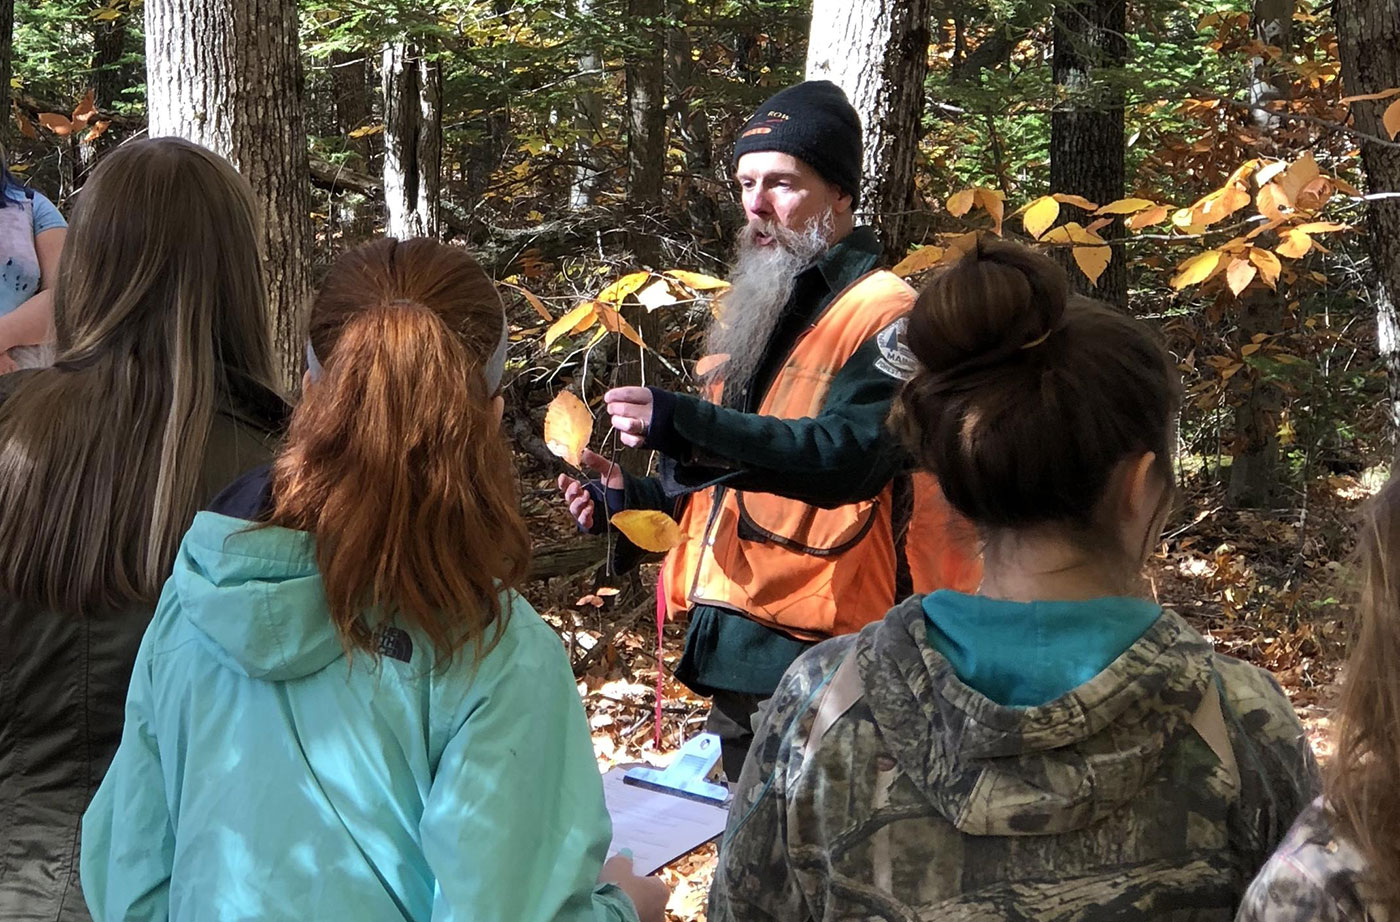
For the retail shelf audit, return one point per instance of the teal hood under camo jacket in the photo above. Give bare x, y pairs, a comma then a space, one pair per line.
879, 786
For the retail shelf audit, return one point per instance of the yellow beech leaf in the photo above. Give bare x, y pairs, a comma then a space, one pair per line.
567, 426
1039, 215
1242, 172
1219, 205
1196, 269
1391, 119
1097, 225
1269, 172
1293, 244
995, 204
1092, 261
1383, 94
657, 295
1239, 275
623, 287
1268, 265
1127, 206
1346, 187
1078, 201
1072, 232
614, 322
1299, 173
1319, 227
708, 363
649, 529
575, 321
1148, 218
919, 260
695, 281
959, 247
1273, 202
960, 203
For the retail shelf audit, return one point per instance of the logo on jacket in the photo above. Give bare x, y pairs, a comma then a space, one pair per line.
394, 643
895, 358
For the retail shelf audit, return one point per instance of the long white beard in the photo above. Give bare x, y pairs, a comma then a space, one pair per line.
760, 284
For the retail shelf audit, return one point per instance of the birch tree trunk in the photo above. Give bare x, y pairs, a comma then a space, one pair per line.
588, 121
412, 141
1086, 127
1368, 32
227, 74
877, 51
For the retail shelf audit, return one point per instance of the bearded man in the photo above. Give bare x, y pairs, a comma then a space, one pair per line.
800, 517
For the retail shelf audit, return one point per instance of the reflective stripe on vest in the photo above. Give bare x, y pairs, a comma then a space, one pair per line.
815, 572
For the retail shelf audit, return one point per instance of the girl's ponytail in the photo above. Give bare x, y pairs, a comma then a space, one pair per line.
395, 460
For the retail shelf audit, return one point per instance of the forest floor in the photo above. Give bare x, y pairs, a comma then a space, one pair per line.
1267, 587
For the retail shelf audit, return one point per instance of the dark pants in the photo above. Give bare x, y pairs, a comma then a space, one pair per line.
731, 719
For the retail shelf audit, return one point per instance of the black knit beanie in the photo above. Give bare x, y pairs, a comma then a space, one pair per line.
813, 122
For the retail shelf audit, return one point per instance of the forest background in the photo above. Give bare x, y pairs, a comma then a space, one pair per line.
1227, 171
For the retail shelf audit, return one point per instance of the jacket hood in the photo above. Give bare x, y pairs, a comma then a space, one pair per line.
255, 595
991, 769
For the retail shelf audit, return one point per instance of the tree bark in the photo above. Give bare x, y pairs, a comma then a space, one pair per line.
350, 83
7, 48
646, 122
227, 74
877, 51
1272, 22
1368, 33
588, 122
412, 142
1086, 126
699, 183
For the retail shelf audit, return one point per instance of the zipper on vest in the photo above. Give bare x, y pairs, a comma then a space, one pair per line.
708, 542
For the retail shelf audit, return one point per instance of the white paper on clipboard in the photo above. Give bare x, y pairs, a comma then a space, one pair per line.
658, 828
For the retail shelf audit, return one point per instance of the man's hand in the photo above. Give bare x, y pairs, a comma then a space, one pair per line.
577, 496
630, 409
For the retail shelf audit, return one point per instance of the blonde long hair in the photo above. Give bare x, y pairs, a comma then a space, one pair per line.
394, 459
160, 314
1362, 793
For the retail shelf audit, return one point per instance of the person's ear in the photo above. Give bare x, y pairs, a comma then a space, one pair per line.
498, 408
1142, 488
843, 203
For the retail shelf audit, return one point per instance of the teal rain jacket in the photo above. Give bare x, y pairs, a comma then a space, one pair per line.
263, 776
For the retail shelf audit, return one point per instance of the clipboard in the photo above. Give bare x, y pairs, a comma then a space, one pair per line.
660, 815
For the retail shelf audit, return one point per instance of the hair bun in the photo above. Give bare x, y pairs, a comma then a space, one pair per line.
996, 301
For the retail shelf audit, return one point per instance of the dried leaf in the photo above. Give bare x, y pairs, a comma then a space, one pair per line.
620, 289
85, 110
1072, 232
1092, 261
1040, 215
1268, 264
1239, 275
1391, 119
1249, 349
919, 260
533, 300
56, 123
96, 131
1148, 218
1196, 269
1299, 173
1319, 227
960, 203
575, 321
696, 281
1097, 225
106, 14
26, 127
1269, 172
995, 204
1127, 206
708, 363
614, 322
649, 529
1273, 202
590, 599
567, 427
1078, 201
367, 130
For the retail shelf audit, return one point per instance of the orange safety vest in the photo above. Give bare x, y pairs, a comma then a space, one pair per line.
814, 572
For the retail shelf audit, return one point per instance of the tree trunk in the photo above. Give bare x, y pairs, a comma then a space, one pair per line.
1368, 32
1272, 21
646, 123
588, 122
350, 83
1086, 127
699, 184
412, 142
877, 51
227, 74
7, 43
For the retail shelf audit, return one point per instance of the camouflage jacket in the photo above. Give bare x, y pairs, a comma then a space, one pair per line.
913, 797
1314, 875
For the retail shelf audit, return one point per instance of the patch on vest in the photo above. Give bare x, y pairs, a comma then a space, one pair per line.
895, 358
